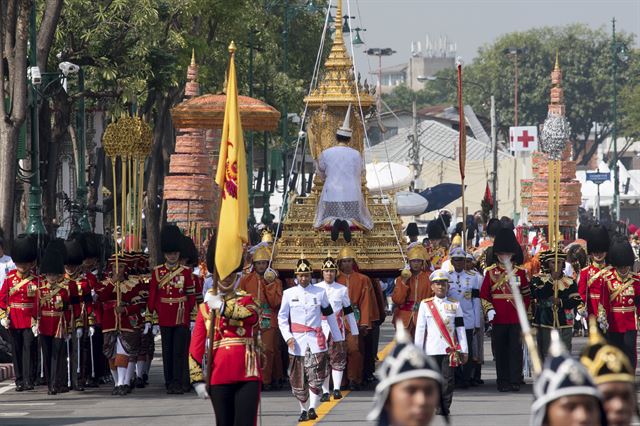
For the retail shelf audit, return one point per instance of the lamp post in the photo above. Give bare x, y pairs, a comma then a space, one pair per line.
617, 49
81, 190
35, 224
514, 52
379, 52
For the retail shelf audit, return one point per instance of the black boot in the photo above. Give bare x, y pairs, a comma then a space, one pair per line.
337, 394
303, 417
312, 414
346, 231
335, 230
325, 397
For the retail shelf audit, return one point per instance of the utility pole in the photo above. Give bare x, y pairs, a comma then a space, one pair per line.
81, 190
494, 148
614, 129
35, 224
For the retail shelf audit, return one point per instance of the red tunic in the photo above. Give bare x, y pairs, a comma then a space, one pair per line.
130, 297
496, 294
590, 281
171, 296
84, 286
234, 353
18, 299
619, 298
54, 313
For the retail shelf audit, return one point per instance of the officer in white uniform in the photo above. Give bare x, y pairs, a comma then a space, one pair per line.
440, 333
338, 295
300, 323
465, 288
476, 345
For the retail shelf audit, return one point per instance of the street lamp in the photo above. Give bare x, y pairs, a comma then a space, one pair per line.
514, 52
357, 41
379, 52
618, 52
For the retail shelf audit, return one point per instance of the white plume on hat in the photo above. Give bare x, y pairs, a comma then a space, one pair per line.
345, 129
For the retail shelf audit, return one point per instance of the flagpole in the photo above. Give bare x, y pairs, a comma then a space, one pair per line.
462, 151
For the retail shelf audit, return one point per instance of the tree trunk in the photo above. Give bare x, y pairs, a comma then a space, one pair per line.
8, 143
153, 213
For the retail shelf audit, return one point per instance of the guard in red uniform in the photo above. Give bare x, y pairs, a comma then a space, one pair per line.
171, 299
620, 298
121, 304
234, 373
590, 280
498, 305
53, 315
18, 308
85, 320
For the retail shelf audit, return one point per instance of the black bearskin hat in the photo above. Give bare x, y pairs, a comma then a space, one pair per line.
54, 257
24, 250
75, 254
597, 239
188, 251
506, 242
492, 227
412, 230
435, 229
620, 252
90, 244
170, 239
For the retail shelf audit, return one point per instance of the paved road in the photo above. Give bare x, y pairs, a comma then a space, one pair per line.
473, 407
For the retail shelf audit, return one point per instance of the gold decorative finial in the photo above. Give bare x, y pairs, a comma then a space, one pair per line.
557, 61
338, 21
193, 57
232, 47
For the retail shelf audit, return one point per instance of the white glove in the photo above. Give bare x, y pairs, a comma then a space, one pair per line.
155, 330
79, 333
67, 337
92, 331
5, 322
147, 327
201, 390
214, 301
35, 330
578, 317
491, 315
192, 325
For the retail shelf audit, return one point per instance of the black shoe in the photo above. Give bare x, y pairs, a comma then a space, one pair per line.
127, 389
139, 383
145, 377
353, 386
335, 230
19, 388
312, 414
515, 388
267, 388
116, 390
63, 389
122, 390
28, 387
463, 385
478, 382
325, 397
52, 392
346, 231
504, 388
337, 394
303, 417
93, 383
78, 388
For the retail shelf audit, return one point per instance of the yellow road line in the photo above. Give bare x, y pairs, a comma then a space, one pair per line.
326, 407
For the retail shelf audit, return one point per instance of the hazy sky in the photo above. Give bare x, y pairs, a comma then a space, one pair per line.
473, 23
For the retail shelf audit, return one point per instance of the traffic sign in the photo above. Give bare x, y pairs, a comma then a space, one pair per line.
598, 177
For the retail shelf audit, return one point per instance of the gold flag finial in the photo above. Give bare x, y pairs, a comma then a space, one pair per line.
232, 47
193, 57
557, 60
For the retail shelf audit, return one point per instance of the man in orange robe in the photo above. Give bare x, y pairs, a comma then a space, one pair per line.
266, 290
363, 301
411, 287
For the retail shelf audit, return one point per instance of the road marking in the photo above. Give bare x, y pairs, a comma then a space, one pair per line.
7, 388
326, 407
17, 414
30, 404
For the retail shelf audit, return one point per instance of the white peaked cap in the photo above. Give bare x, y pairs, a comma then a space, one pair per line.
345, 129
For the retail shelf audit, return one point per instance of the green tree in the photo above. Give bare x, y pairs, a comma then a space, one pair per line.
585, 60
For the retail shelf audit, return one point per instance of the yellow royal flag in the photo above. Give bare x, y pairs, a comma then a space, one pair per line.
232, 179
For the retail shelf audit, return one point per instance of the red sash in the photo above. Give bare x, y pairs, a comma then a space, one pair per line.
339, 319
303, 328
454, 347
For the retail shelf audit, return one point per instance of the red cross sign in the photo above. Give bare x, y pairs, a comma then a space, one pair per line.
523, 138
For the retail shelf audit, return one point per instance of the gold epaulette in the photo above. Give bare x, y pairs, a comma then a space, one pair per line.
489, 268
451, 299
428, 299
520, 268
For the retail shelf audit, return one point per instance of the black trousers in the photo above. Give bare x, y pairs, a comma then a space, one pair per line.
235, 404
464, 372
99, 360
370, 352
23, 342
626, 342
507, 349
52, 352
78, 379
448, 380
174, 352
